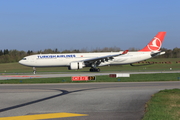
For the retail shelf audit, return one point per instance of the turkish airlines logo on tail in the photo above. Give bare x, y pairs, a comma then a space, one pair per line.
155, 45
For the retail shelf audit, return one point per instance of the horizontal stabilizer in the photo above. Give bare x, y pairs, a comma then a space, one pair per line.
157, 53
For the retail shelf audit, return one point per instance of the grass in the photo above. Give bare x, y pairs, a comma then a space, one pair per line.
104, 78
164, 105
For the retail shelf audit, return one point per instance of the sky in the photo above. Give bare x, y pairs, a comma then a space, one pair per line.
87, 24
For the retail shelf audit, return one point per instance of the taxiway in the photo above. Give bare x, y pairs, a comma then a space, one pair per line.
116, 101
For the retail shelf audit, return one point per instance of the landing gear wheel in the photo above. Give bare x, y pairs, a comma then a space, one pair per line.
94, 69
91, 69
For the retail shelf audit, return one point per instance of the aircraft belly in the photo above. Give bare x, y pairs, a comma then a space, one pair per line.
138, 58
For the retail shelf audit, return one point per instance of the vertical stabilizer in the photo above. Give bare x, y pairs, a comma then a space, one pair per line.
155, 43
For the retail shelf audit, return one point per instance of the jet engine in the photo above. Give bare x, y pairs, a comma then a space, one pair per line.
76, 65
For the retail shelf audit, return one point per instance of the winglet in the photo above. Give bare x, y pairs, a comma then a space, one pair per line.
155, 43
125, 52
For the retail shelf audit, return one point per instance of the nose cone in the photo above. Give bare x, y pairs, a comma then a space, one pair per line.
21, 62
26, 62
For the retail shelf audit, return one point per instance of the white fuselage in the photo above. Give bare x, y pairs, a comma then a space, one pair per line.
57, 60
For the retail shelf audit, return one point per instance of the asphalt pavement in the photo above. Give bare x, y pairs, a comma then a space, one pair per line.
94, 101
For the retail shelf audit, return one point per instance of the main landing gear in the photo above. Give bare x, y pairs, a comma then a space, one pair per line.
94, 69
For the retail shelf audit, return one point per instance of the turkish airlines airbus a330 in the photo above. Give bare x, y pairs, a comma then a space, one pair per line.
76, 61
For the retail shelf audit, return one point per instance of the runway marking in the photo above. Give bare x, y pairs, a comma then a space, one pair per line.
43, 116
20, 76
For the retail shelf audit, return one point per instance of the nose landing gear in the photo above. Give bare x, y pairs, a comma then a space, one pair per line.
34, 70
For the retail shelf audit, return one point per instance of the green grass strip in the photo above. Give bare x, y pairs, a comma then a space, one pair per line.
105, 78
164, 105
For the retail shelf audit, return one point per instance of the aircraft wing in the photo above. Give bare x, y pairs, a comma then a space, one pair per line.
103, 58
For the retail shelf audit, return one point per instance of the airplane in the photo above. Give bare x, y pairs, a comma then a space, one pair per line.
76, 61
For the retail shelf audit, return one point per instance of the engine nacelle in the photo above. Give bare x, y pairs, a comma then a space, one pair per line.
76, 65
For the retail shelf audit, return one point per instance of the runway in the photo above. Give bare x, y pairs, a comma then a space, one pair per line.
94, 101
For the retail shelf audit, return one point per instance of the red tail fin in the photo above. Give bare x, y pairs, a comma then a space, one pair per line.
155, 43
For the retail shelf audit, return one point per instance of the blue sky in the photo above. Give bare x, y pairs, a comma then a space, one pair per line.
90, 24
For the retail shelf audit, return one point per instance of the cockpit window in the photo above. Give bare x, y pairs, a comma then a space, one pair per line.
24, 59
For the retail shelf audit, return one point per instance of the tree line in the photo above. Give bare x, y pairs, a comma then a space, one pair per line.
8, 56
